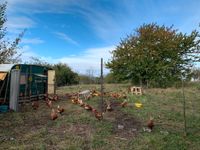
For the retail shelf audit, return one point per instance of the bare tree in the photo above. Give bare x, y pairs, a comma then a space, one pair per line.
8, 49
90, 73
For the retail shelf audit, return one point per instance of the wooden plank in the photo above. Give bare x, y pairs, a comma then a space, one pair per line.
51, 81
3, 75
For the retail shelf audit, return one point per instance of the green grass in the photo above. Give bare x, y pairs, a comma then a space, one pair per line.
79, 129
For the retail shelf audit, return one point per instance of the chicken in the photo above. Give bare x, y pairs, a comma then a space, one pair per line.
49, 103
150, 123
94, 110
112, 95
74, 96
80, 102
88, 107
108, 107
99, 115
54, 115
124, 103
74, 101
35, 105
124, 96
60, 110
95, 93
55, 97
117, 95
46, 98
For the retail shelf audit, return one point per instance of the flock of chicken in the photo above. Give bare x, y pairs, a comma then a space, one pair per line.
99, 115
75, 99
48, 101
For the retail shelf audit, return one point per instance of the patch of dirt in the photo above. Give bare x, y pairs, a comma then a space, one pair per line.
75, 129
125, 125
81, 130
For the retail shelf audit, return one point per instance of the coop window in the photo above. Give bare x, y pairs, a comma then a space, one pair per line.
22, 79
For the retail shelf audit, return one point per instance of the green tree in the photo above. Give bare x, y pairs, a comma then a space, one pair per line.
155, 55
64, 75
110, 78
8, 50
84, 79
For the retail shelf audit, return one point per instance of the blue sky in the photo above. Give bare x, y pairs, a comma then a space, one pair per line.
80, 32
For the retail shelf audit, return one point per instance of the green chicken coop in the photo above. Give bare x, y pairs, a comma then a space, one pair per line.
22, 83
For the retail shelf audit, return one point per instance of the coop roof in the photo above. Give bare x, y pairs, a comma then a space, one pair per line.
6, 67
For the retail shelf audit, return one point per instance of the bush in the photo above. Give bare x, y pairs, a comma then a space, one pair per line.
64, 75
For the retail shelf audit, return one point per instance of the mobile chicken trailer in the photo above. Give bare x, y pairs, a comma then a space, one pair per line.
21, 83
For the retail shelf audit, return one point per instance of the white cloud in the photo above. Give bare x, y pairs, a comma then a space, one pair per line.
65, 37
17, 24
91, 58
110, 24
105, 23
27, 53
32, 41
40, 6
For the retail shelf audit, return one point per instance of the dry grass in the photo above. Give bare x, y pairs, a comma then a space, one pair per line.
79, 129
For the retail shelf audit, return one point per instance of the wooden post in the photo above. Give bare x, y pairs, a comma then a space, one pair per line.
26, 85
102, 85
184, 113
55, 85
30, 78
14, 89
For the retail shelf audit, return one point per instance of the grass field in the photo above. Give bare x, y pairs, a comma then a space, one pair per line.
79, 129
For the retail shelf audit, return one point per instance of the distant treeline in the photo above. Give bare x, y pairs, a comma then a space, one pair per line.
66, 76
